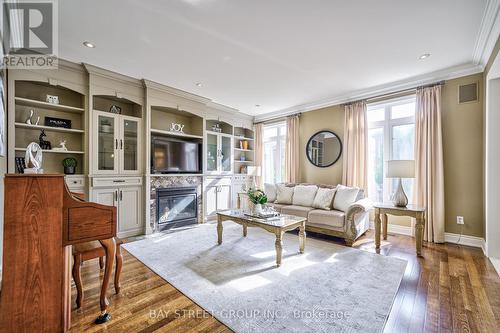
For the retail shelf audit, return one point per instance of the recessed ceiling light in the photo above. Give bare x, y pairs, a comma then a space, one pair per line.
198, 84
424, 56
89, 44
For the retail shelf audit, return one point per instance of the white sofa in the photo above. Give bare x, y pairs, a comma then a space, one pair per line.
346, 216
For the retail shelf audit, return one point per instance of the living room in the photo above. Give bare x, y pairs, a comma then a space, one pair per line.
234, 166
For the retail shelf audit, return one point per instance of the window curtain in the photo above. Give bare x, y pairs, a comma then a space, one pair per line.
429, 175
355, 159
259, 152
292, 150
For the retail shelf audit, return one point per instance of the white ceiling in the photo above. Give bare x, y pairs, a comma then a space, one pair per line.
276, 53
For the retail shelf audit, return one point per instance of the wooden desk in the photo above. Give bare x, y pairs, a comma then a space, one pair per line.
382, 209
42, 220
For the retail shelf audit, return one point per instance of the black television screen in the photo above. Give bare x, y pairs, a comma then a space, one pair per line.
171, 155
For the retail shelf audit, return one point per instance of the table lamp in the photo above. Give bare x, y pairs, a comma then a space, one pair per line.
253, 171
400, 169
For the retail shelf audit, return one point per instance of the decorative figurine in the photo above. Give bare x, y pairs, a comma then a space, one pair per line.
43, 143
62, 147
29, 119
37, 120
33, 158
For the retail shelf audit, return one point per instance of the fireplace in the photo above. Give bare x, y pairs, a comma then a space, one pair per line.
176, 206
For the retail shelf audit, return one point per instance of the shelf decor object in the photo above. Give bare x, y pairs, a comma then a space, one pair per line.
57, 122
177, 128
33, 158
69, 164
400, 169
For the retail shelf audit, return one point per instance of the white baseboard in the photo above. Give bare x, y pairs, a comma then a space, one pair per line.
448, 237
465, 240
496, 264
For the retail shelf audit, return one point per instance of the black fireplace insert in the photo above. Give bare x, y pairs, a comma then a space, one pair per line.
175, 207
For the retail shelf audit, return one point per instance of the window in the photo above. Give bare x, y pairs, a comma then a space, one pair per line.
273, 142
391, 136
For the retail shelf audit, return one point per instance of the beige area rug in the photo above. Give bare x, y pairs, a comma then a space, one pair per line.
329, 288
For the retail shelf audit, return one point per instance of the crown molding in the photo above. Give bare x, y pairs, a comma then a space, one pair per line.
174, 91
446, 74
488, 33
91, 69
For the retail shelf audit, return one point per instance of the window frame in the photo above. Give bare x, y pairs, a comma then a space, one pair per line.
280, 149
387, 126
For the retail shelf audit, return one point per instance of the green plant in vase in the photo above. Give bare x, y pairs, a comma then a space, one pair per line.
69, 165
258, 198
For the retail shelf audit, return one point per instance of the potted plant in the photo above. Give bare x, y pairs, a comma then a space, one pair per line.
69, 165
258, 198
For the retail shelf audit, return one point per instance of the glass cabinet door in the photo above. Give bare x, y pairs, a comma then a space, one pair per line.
212, 152
106, 143
225, 153
128, 144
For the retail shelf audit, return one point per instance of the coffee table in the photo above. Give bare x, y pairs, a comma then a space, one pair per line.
278, 227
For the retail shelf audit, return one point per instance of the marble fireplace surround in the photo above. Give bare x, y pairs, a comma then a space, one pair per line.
172, 181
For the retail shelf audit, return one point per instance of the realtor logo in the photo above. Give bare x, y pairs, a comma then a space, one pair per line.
29, 34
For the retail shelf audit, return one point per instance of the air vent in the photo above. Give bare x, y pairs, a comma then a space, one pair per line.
467, 93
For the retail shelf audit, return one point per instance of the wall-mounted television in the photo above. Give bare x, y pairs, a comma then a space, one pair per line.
175, 155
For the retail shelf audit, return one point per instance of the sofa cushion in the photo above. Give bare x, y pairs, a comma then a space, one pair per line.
332, 218
270, 191
344, 197
277, 207
284, 194
303, 195
324, 198
296, 210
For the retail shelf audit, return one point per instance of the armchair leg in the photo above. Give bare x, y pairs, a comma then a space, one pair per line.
349, 242
101, 262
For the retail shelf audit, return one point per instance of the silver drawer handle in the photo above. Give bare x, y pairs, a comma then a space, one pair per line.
118, 181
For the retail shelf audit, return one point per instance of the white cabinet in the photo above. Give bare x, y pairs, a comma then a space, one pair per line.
129, 210
105, 196
218, 154
217, 195
126, 197
116, 144
240, 184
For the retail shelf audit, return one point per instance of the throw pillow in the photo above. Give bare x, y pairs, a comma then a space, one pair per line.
270, 191
324, 198
344, 197
284, 194
303, 195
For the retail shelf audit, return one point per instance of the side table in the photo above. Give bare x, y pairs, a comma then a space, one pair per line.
382, 209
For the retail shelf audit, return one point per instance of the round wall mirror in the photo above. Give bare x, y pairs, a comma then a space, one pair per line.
323, 149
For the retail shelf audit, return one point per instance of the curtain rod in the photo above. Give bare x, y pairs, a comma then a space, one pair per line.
278, 119
399, 92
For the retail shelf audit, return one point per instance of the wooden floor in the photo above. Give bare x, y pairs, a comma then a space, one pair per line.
451, 289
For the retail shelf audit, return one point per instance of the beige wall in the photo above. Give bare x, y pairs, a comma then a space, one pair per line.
331, 118
462, 149
463, 158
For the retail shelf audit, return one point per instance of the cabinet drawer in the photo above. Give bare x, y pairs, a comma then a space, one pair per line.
75, 181
216, 181
116, 181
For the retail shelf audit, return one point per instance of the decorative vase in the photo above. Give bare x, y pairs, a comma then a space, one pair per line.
69, 170
257, 209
